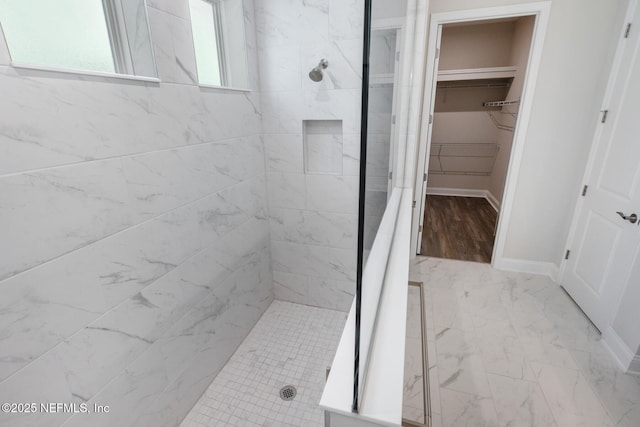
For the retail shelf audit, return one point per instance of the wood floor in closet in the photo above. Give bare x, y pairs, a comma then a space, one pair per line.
458, 228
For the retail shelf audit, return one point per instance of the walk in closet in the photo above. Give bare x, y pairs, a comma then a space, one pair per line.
481, 72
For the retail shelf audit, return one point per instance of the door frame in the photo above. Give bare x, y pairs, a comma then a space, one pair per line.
541, 12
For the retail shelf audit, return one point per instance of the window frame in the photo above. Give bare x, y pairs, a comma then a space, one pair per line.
120, 51
226, 67
123, 64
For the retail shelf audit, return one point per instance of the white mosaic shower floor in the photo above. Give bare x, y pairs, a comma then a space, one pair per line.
290, 344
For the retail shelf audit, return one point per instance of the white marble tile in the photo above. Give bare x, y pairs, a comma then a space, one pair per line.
63, 296
619, 392
383, 51
333, 104
460, 365
505, 356
280, 68
346, 19
520, 403
320, 228
330, 293
83, 204
300, 259
286, 190
351, 155
462, 409
290, 287
323, 154
341, 264
279, 22
41, 382
315, 20
173, 47
282, 112
276, 223
284, 152
39, 136
570, 397
332, 193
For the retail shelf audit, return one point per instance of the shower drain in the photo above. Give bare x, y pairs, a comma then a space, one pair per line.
288, 392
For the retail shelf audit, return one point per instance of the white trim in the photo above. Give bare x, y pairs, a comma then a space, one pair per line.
548, 269
214, 87
79, 73
493, 201
621, 353
541, 11
461, 192
465, 192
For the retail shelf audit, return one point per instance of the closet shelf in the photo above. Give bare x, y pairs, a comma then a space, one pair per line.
499, 103
477, 73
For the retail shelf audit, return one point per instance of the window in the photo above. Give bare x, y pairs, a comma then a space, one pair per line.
219, 42
88, 35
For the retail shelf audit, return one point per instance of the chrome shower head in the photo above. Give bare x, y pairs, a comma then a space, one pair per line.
316, 73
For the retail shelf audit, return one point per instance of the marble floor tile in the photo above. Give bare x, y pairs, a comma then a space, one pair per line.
570, 397
520, 403
460, 365
467, 410
513, 349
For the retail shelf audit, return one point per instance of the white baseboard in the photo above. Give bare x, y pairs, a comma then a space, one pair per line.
465, 192
622, 354
492, 201
548, 269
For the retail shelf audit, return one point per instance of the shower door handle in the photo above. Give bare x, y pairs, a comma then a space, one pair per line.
631, 218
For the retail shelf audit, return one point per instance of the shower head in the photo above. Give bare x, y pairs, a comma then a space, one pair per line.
316, 73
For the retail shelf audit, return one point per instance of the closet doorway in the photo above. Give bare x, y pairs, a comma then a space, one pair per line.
480, 71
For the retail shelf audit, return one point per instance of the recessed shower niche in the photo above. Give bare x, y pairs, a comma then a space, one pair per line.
322, 146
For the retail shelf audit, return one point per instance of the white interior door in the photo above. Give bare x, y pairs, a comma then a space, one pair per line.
605, 244
421, 179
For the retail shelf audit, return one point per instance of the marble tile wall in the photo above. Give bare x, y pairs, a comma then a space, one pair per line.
313, 216
135, 236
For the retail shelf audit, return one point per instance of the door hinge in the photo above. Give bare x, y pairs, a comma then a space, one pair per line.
393, 119
420, 228
430, 118
566, 255
397, 56
626, 32
424, 177
604, 115
390, 175
437, 53
584, 190
413, 205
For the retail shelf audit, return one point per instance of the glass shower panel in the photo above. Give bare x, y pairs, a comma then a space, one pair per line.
383, 66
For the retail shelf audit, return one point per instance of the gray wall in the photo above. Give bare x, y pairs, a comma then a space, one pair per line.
134, 231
